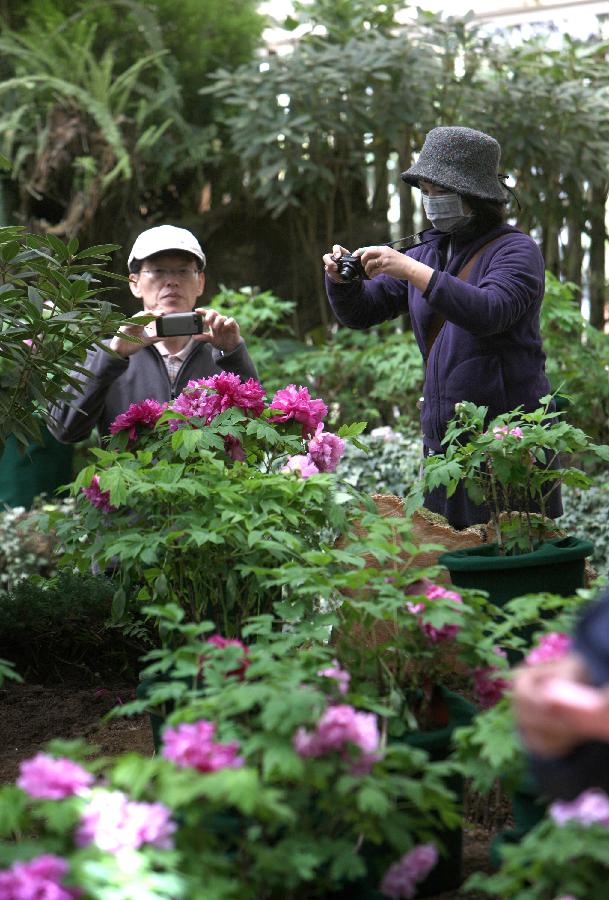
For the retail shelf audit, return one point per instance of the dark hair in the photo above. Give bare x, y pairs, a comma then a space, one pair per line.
136, 264
487, 213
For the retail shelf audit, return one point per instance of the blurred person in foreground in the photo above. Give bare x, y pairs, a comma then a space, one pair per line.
472, 286
562, 710
166, 272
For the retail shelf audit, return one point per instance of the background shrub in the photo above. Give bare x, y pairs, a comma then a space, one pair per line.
59, 629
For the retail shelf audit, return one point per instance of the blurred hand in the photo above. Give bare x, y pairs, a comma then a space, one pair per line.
223, 331
557, 709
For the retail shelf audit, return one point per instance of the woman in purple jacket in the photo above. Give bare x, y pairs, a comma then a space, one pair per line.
473, 287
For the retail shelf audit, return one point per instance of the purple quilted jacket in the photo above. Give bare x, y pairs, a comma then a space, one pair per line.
489, 349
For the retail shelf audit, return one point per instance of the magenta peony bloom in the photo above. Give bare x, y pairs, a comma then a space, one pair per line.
340, 675
296, 403
193, 746
49, 778
551, 646
146, 413
403, 876
234, 448
218, 641
592, 806
98, 498
113, 822
435, 592
304, 465
340, 726
206, 398
38, 879
325, 449
489, 686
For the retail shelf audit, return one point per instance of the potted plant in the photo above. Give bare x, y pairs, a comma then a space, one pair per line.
189, 503
427, 654
512, 465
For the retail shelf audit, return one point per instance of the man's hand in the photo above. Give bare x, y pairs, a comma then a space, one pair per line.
222, 331
147, 334
557, 709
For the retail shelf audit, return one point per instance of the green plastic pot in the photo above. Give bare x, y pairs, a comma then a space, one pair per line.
556, 566
447, 875
40, 468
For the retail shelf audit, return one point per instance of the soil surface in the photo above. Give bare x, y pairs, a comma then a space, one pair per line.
32, 715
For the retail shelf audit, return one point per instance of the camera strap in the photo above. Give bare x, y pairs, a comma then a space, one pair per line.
413, 240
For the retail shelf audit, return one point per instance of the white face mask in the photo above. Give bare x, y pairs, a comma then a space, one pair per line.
445, 211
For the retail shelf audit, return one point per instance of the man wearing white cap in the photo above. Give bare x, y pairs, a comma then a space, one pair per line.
166, 272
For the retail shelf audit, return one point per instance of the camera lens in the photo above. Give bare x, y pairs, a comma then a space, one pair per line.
350, 268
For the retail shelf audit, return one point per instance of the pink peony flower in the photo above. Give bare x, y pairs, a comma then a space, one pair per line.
551, 646
340, 675
113, 822
296, 403
489, 685
193, 746
592, 806
206, 398
501, 431
38, 879
98, 498
435, 592
146, 413
325, 449
402, 877
49, 778
304, 465
340, 726
216, 640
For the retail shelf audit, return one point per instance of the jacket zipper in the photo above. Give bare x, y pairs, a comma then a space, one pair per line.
172, 387
437, 344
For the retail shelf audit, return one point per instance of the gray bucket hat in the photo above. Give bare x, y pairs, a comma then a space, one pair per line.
461, 159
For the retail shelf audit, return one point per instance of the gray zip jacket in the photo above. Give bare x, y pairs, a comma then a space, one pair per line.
115, 383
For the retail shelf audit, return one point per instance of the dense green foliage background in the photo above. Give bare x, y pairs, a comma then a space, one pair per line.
140, 111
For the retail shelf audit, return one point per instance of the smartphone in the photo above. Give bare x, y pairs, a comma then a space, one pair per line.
176, 324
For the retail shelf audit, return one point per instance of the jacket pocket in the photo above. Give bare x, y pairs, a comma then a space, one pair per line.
479, 380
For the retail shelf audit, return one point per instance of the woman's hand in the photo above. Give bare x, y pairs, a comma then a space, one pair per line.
330, 260
384, 261
381, 261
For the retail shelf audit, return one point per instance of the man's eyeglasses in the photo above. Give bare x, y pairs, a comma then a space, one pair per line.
163, 274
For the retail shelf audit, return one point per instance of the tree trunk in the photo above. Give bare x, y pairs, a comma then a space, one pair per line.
597, 254
576, 223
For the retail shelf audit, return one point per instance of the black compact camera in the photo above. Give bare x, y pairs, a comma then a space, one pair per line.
350, 268
176, 324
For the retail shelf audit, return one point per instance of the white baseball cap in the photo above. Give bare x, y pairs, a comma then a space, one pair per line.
164, 238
